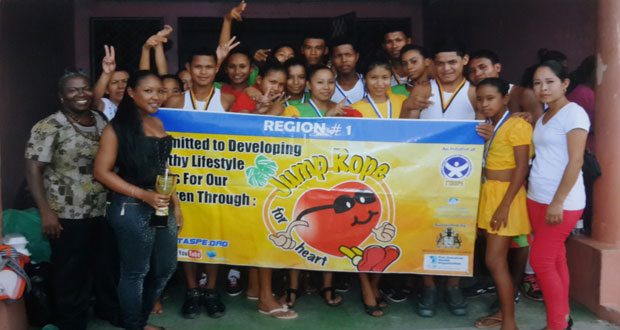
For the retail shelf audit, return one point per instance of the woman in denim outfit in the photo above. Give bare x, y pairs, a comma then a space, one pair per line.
136, 143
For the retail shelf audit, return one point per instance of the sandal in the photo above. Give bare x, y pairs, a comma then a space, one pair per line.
381, 302
488, 321
372, 310
158, 308
280, 313
213, 303
333, 295
289, 299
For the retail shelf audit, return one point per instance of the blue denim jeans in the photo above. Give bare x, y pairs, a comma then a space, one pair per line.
148, 257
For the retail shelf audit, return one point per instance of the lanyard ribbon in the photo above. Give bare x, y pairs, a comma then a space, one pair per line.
374, 106
345, 95
193, 98
303, 100
444, 106
318, 112
488, 145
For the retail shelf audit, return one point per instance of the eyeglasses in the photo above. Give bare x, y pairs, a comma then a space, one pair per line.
343, 203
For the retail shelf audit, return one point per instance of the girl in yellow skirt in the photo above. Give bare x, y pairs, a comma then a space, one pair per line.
502, 212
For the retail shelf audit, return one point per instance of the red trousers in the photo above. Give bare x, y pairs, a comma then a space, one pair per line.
548, 259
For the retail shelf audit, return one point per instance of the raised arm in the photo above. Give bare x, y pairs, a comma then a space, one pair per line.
108, 64
235, 14
160, 57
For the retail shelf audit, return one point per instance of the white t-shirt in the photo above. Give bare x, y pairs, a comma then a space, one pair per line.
551, 148
109, 109
353, 95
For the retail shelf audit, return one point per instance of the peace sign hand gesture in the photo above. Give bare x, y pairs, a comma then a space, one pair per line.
337, 110
108, 64
264, 102
223, 49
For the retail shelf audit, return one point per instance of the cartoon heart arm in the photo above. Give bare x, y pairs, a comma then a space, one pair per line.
385, 232
284, 239
374, 258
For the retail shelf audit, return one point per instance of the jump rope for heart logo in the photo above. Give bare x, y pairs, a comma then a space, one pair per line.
336, 221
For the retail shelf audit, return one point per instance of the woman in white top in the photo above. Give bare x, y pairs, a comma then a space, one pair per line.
556, 194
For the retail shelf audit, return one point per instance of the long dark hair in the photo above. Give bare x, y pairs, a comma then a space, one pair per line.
132, 147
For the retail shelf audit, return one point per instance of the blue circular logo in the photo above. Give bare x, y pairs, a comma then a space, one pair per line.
456, 167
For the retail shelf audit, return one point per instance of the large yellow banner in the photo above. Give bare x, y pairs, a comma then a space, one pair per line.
338, 194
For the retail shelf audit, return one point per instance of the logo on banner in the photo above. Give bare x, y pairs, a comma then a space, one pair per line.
455, 169
448, 239
343, 219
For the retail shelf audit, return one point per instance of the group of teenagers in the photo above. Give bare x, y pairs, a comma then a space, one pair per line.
91, 167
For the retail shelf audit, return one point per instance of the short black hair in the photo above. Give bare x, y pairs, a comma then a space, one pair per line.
450, 45
418, 48
314, 35
396, 27
501, 85
339, 41
294, 61
484, 53
272, 65
173, 77
375, 59
313, 69
71, 73
201, 51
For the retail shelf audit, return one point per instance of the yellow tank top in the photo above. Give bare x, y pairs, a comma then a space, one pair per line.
514, 132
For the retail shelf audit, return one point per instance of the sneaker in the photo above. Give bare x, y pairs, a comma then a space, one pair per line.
342, 283
393, 294
232, 285
455, 300
213, 303
191, 306
427, 302
531, 289
479, 289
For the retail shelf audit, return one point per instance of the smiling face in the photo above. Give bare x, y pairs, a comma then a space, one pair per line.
296, 80
322, 85
341, 216
116, 86
202, 70
393, 42
548, 87
77, 94
449, 66
148, 94
313, 50
284, 53
490, 101
238, 69
378, 81
481, 68
344, 58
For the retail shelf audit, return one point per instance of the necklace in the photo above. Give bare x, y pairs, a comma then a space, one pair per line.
90, 136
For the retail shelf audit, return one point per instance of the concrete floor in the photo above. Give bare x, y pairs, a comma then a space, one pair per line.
314, 314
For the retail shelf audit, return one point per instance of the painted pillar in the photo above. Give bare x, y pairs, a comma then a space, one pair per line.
594, 262
606, 217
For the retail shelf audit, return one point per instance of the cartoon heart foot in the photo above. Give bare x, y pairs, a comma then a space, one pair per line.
374, 258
